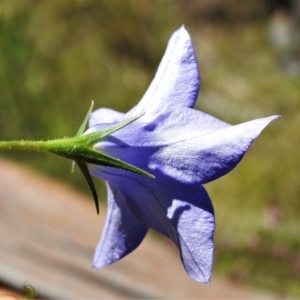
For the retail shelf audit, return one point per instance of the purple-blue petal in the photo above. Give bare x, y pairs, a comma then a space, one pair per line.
177, 80
207, 157
182, 212
195, 228
198, 151
122, 232
104, 115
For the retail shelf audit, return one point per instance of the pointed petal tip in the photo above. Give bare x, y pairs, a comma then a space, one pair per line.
207, 281
182, 34
99, 263
260, 124
203, 278
182, 28
266, 121
182, 31
275, 117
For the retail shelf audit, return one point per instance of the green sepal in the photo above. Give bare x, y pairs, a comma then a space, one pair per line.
85, 121
80, 148
94, 137
82, 128
85, 171
90, 155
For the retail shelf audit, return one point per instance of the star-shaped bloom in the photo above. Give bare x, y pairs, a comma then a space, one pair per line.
183, 148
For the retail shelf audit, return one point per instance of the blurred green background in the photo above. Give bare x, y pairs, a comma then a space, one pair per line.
56, 56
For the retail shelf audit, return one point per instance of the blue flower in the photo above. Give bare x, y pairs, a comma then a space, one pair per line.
183, 148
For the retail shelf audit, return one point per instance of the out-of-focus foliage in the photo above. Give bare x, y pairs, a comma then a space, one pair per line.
56, 56
229, 10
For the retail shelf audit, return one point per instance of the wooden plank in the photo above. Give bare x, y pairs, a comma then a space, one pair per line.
48, 234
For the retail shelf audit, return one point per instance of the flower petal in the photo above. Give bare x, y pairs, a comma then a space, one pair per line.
104, 115
185, 144
177, 81
139, 198
195, 224
122, 232
180, 211
206, 158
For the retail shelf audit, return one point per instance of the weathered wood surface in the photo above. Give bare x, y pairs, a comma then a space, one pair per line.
48, 234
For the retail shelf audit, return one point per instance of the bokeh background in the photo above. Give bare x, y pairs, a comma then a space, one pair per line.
57, 56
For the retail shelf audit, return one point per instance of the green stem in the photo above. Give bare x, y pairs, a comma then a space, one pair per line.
44, 146
37, 146
76, 148
63, 147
